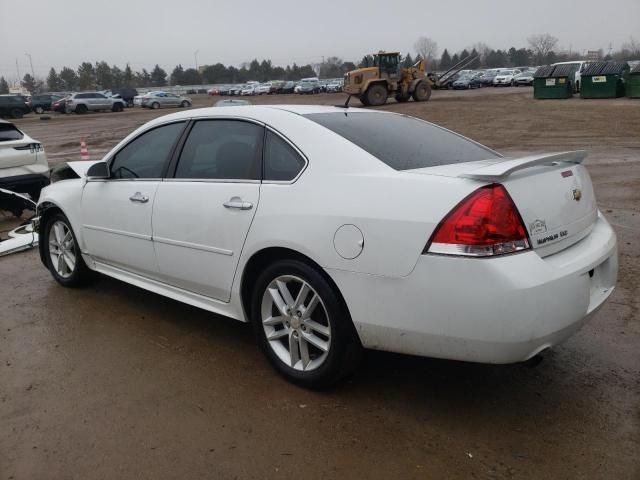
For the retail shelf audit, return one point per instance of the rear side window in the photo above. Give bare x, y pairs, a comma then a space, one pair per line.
146, 155
221, 149
402, 142
8, 132
281, 161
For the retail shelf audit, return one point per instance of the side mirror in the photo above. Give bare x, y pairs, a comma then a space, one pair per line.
98, 171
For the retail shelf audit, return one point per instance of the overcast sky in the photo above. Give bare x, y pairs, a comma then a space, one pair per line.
145, 32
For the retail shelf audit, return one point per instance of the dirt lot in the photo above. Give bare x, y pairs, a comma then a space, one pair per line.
115, 382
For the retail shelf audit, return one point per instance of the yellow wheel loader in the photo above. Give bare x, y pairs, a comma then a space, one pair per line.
373, 85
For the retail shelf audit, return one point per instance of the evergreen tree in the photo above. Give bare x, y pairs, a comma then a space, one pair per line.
445, 60
86, 76
408, 61
127, 77
191, 77
54, 83
455, 59
4, 86
177, 76
29, 83
476, 63
158, 77
104, 77
68, 79
464, 54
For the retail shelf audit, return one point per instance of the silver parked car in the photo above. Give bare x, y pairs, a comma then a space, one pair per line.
164, 99
92, 101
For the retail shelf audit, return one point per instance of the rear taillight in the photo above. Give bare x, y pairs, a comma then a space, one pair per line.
486, 223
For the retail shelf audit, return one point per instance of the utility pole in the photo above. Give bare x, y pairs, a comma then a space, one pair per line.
195, 56
31, 63
18, 69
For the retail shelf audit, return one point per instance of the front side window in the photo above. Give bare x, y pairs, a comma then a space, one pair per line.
281, 161
146, 155
221, 149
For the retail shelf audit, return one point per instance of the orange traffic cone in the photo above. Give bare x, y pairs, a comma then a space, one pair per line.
84, 151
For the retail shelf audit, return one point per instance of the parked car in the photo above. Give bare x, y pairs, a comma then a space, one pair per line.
488, 76
262, 89
13, 106
468, 81
125, 93
164, 99
23, 161
42, 103
580, 66
504, 78
230, 102
236, 90
288, 87
523, 79
334, 87
92, 102
489, 259
308, 88
248, 90
60, 105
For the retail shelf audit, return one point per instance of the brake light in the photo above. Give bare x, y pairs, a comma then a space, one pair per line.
486, 223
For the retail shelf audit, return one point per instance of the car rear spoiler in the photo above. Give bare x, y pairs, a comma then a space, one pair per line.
500, 170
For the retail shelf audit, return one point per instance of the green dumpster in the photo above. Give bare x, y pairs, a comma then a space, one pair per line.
604, 80
633, 83
553, 82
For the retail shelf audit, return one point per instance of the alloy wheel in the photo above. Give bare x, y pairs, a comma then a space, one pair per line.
296, 323
62, 249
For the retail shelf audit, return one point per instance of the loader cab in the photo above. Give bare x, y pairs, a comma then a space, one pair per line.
388, 63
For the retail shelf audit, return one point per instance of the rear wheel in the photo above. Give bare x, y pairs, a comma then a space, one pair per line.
302, 326
81, 109
376, 95
63, 253
117, 107
16, 113
185, 104
38, 110
155, 105
422, 92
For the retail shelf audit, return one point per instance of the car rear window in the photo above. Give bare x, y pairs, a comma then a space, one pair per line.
400, 141
8, 132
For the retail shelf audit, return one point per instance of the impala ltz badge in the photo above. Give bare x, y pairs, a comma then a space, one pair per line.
577, 194
537, 227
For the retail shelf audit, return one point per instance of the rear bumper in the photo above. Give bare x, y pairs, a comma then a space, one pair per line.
500, 310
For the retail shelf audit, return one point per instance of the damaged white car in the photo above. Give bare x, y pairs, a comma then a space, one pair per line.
24, 236
331, 229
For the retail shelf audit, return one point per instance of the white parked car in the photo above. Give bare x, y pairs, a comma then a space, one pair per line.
332, 229
23, 161
505, 78
248, 90
262, 89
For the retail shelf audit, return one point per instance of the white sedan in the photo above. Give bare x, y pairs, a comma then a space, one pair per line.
331, 229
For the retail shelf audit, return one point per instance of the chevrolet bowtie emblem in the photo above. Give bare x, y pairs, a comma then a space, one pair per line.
577, 194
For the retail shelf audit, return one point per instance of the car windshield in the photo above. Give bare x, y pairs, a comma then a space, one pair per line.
506, 72
9, 132
402, 142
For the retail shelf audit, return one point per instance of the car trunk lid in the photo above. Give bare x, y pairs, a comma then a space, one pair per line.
553, 193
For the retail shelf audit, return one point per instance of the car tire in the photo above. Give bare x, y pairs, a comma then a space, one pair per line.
16, 113
313, 353
117, 107
185, 104
39, 110
422, 92
65, 262
80, 109
155, 105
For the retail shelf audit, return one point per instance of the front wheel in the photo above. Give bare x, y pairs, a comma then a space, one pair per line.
117, 107
155, 105
185, 104
16, 113
376, 95
302, 325
422, 92
63, 253
39, 110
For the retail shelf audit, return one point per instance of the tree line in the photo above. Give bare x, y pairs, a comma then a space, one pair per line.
102, 76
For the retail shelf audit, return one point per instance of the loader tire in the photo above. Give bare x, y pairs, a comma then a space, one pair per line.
376, 95
422, 92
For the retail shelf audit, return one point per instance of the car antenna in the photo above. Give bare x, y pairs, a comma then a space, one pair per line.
346, 104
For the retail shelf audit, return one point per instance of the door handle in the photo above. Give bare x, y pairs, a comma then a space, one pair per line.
138, 197
238, 203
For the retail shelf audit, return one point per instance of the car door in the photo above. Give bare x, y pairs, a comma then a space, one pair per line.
116, 213
102, 101
201, 217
